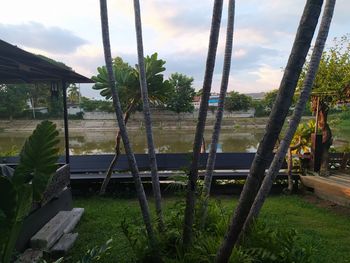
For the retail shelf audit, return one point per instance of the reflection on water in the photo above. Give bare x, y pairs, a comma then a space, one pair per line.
167, 141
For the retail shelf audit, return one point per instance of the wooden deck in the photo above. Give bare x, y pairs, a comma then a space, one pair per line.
335, 188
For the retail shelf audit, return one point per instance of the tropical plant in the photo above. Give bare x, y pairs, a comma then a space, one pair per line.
284, 145
122, 128
27, 183
220, 110
128, 88
147, 116
208, 76
261, 244
277, 117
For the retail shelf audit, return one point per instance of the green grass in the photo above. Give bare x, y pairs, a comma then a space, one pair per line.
329, 233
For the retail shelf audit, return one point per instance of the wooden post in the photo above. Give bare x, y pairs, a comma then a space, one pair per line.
316, 150
65, 116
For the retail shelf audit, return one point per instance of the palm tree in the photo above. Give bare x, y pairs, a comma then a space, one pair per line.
73, 93
220, 110
277, 117
299, 109
147, 116
208, 76
119, 114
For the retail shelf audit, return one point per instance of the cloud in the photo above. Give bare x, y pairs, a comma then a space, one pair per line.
36, 35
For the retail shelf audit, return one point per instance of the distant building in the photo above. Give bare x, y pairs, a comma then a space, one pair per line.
74, 109
196, 102
214, 100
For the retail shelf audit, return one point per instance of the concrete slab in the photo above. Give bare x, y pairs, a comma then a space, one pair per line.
51, 232
65, 243
75, 217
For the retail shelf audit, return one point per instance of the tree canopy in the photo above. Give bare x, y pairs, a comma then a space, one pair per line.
182, 93
127, 82
237, 102
12, 100
333, 74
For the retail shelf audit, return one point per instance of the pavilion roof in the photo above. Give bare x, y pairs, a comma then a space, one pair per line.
19, 66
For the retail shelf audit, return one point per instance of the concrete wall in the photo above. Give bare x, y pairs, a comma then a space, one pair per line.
167, 115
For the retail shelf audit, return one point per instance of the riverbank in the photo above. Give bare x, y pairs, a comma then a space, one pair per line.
133, 124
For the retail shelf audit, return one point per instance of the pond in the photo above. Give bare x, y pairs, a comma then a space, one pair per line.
166, 141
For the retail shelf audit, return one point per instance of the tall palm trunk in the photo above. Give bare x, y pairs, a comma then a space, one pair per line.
147, 116
116, 151
277, 117
220, 110
203, 109
119, 114
299, 109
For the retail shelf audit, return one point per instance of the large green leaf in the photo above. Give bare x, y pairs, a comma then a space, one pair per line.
8, 197
24, 202
38, 159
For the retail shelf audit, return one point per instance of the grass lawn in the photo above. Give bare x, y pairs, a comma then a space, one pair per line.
327, 231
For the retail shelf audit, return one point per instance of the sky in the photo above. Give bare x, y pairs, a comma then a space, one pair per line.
69, 31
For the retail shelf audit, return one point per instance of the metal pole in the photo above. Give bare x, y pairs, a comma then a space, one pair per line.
65, 116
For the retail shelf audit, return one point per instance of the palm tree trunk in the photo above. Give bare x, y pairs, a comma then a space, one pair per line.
299, 109
220, 111
119, 114
117, 152
147, 116
208, 76
277, 117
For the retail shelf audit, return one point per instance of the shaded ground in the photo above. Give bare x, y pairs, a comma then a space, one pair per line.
324, 204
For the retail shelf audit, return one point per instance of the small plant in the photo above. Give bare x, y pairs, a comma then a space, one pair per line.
92, 255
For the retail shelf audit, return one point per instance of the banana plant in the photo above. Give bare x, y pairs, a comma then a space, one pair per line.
26, 184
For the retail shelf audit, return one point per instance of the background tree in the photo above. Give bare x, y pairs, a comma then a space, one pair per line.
237, 102
88, 104
73, 94
13, 100
269, 100
182, 93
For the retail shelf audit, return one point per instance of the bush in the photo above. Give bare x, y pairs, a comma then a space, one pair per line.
261, 244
